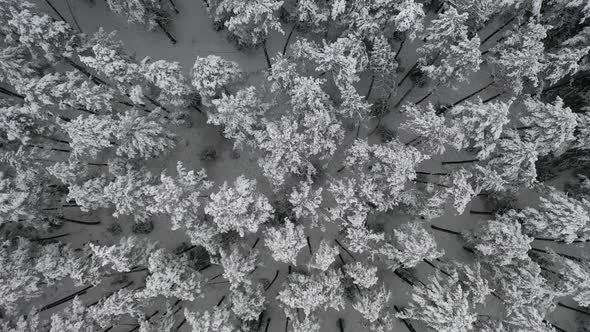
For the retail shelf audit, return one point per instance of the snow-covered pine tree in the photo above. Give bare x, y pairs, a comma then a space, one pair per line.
383, 170
285, 241
212, 74
248, 21
306, 201
443, 305
499, 241
481, 124
171, 276
218, 319
108, 311
239, 208
248, 301
129, 253
409, 245
364, 275
179, 196
558, 217
238, 263
311, 293
173, 86
520, 58
434, 133
129, 194
148, 13
448, 56
142, 136
551, 125
238, 114
324, 256
514, 160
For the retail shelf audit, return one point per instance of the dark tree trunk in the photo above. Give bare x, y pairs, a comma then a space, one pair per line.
309, 246
174, 6
491, 98
445, 230
423, 98
465, 98
407, 74
344, 248
268, 63
84, 71
168, 34
272, 281
370, 87
12, 94
401, 46
220, 301
65, 299
286, 46
574, 258
467, 161
256, 242
56, 12
341, 324
50, 237
497, 30
404, 96
287, 324
573, 309
267, 325
73, 16
79, 221
405, 321
481, 212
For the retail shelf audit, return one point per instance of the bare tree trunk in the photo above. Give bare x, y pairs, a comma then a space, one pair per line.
341, 324
407, 74
286, 46
50, 237
401, 45
445, 230
404, 96
573, 309
309, 246
65, 299
73, 16
370, 87
78, 221
268, 63
344, 248
267, 325
56, 11
220, 301
174, 6
272, 281
12, 94
423, 98
491, 98
481, 212
467, 161
287, 324
497, 30
405, 321
168, 34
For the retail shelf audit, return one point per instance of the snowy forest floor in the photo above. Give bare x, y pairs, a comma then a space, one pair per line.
196, 37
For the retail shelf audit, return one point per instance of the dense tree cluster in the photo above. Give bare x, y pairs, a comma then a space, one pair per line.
353, 129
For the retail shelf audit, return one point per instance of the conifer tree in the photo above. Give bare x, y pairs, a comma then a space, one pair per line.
212, 74
249, 22
520, 58
216, 320
239, 208
499, 241
131, 252
552, 126
171, 276
285, 241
